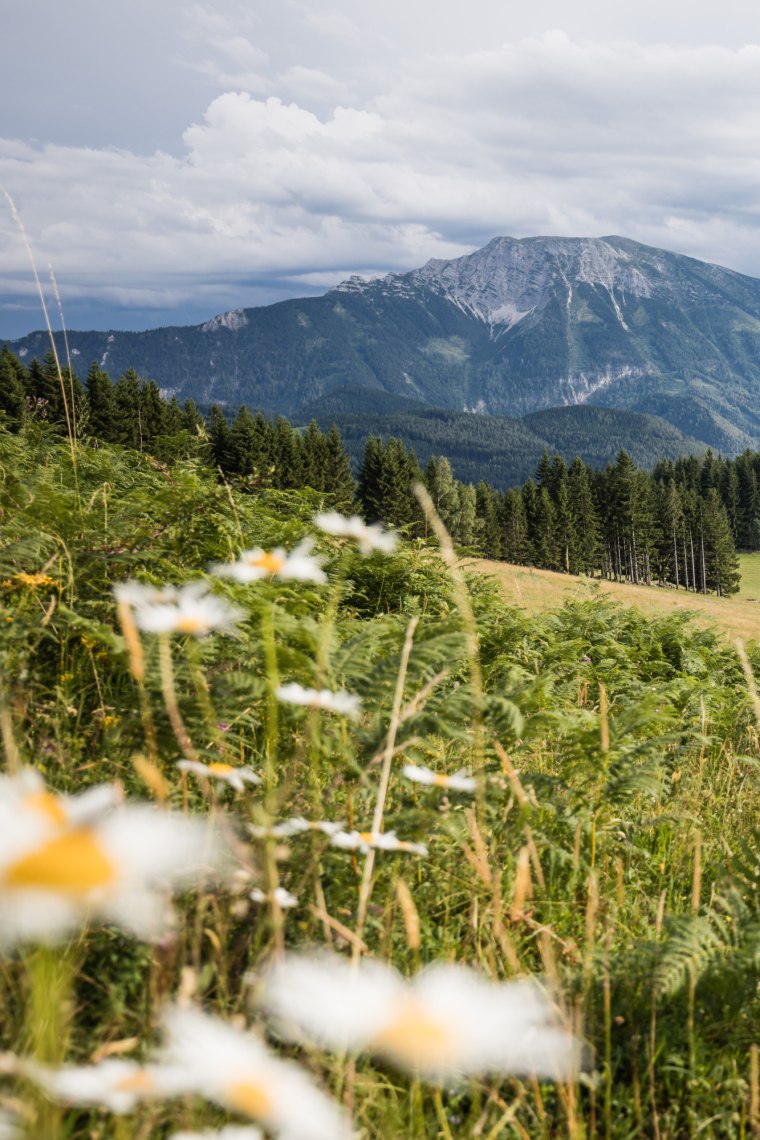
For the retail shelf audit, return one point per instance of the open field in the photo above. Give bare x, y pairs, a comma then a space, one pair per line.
538, 590
750, 568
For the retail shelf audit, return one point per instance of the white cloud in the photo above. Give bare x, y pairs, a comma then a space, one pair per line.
544, 135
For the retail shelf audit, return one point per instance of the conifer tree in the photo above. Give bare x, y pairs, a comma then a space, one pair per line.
12, 389
516, 507
220, 452
339, 480
489, 530
100, 405
584, 554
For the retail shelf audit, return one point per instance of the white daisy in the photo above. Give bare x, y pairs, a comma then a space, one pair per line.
300, 565
347, 704
283, 898
367, 537
26, 792
459, 782
379, 840
237, 1071
55, 876
236, 776
116, 1085
189, 609
446, 1023
296, 826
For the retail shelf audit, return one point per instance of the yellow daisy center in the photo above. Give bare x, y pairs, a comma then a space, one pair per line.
250, 1099
189, 624
73, 864
366, 836
441, 781
267, 561
219, 769
140, 1082
414, 1037
47, 805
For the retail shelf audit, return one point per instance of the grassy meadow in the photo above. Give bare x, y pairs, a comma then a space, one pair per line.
600, 837
537, 591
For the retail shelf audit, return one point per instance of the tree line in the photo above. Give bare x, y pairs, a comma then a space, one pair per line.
679, 524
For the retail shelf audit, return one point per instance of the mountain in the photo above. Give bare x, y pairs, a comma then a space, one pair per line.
514, 328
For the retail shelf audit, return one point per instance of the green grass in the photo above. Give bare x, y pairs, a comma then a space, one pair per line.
614, 847
538, 591
749, 565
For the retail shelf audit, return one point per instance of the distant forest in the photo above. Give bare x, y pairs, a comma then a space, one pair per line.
679, 524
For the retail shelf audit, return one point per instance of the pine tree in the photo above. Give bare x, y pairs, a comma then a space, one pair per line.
516, 544
464, 524
489, 530
12, 389
314, 457
100, 405
287, 456
339, 480
444, 491
220, 452
721, 562
369, 489
584, 553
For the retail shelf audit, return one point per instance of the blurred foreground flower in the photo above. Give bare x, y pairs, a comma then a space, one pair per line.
459, 782
236, 777
283, 898
189, 609
380, 840
300, 565
296, 826
116, 1085
347, 704
231, 1132
64, 860
26, 793
368, 537
448, 1022
237, 1071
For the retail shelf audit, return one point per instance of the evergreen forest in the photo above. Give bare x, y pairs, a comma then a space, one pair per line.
678, 525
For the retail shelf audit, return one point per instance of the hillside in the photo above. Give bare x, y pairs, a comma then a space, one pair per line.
514, 328
540, 591
504, 451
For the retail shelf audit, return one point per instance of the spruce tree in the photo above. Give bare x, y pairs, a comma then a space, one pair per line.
489, 530
100, 405
339, 480
12, 389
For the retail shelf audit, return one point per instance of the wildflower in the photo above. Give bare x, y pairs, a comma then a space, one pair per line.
189, 609
300, 565
459, 782
26, 794
37, 581
347, 704
116, 1085
380, 840
61, 861
236, 777
283, 898
296, 826
367, 537
446, 1023
234, 1069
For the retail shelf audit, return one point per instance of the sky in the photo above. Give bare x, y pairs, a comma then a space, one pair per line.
172, 161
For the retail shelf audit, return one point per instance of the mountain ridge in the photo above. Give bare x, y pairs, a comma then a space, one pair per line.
521, 325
